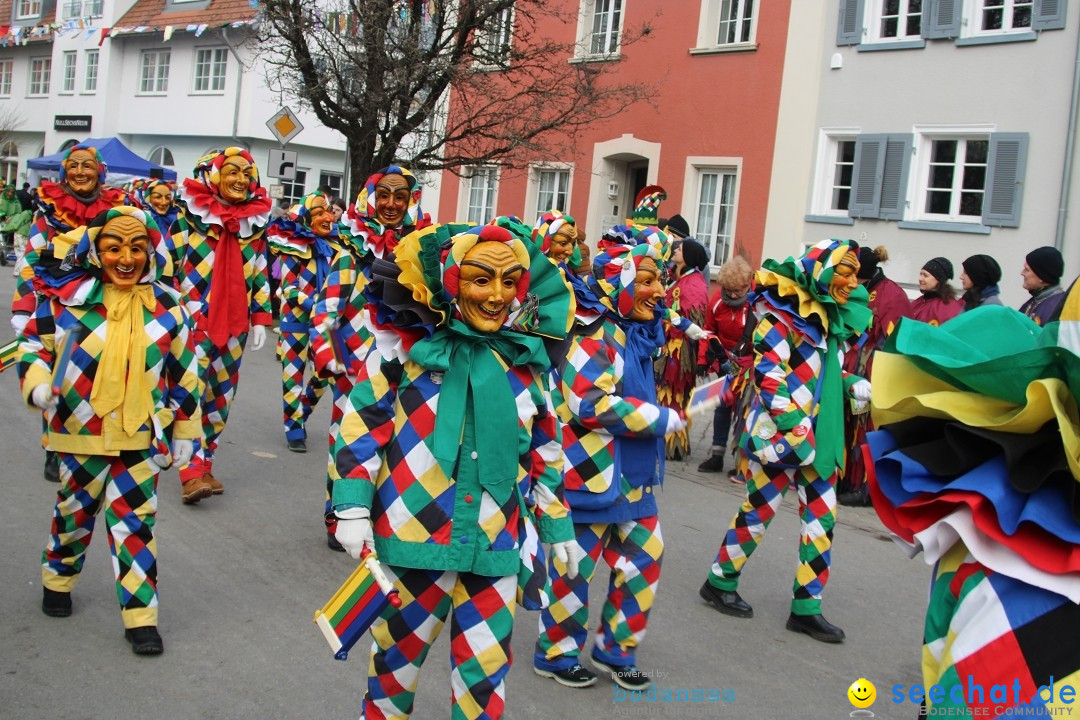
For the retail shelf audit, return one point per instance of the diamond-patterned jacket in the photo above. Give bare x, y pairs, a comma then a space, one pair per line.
594, 415
420, 517
171, 373
198, 262
299, 284
339, 304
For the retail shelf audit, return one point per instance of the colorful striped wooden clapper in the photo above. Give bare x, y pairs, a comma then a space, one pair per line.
9, 354
708, 396
355, 606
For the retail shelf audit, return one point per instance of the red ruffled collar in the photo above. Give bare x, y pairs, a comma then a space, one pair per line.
68, 209
203, 202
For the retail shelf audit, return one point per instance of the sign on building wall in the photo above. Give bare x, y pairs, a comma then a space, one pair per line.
282, 164
72, 123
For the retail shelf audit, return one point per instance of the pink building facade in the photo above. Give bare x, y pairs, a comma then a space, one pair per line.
706, 136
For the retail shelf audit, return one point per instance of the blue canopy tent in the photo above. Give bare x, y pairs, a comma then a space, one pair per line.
122, 164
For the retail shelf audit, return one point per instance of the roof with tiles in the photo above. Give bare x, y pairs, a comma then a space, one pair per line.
152, 13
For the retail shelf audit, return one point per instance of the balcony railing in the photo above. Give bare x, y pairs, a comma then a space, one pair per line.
82, 9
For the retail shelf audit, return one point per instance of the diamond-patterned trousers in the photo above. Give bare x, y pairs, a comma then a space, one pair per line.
127, 488
765, 490
633, 549
298, 399
482, 619
219, 374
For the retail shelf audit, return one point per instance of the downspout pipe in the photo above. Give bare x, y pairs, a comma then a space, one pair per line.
240, 85
1070, 146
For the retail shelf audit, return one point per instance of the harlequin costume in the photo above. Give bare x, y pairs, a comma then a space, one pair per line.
58, 209
795, 424
976, 461
676, 371
170, 251
445, 492
225, 285
305, 264
612, 435
338, 319
888, 303
124, 363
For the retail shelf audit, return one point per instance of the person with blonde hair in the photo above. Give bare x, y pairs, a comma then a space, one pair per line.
726, 316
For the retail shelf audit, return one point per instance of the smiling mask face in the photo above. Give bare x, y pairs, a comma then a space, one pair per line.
161, 199
235, 179
81, 172
844, 279
122, 247
322, 218
648, 290
391, 200
490, 273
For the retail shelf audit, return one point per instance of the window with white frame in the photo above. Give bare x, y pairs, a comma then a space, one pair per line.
332, 181
736, 22
27, 9
154, 79
40, 72
953, 178
67, 84
9, 163
901, 24
893, 20
552, 190
964, 179
82, 9
480, 197
715, 226
161, 155
836, 165
494, 39
294, 189
210, 65
90, 82
600, 28
7, 69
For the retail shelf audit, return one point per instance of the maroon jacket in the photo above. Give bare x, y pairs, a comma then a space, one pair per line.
935, 310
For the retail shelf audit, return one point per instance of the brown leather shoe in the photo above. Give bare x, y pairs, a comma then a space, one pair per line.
214, 484
194, 490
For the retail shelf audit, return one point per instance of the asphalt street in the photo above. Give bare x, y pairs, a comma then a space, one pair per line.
242, 574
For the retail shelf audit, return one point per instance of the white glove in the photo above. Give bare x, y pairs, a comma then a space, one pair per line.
334, 366
182, 449
861, 391
675, 423
42, 397
354, 531
18, 322
568, 554
325, 326
258, 337
695, 332
860, 406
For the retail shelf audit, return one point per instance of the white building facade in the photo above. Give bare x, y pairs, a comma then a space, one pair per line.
934, 128
171, 93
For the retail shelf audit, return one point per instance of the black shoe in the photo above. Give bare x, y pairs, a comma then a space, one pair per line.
52, 466
55, 603
575, 676
715, 463
298, 445
726, 602
816, 626
333, 544
144, 640
628, 677
856, 498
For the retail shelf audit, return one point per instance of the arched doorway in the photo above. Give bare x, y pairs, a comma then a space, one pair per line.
620, 168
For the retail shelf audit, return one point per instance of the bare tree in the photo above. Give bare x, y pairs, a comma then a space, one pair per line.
383, 72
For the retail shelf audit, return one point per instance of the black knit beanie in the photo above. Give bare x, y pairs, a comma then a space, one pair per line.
940, 268
982, 270
1047, 263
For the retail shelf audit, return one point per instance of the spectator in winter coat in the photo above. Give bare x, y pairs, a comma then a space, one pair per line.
1042, 278
980, 280
938, 302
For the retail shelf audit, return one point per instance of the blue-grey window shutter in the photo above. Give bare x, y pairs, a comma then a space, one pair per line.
894, 176
866, 175
849, 29
943, 19
1049, 15
1005, 179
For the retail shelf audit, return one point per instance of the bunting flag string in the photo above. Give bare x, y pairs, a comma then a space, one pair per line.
23, 34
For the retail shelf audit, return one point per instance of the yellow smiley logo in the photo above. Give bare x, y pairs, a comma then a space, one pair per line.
862, 693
